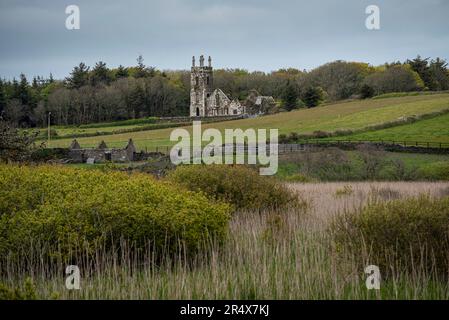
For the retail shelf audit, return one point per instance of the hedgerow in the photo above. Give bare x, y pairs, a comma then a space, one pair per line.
239, 185
74, 211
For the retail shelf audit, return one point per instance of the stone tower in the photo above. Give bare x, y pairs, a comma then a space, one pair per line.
201, 80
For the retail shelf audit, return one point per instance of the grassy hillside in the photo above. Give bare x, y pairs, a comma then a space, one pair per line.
434, 130
103, 127
347, 115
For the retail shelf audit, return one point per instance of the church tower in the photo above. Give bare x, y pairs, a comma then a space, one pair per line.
201, 80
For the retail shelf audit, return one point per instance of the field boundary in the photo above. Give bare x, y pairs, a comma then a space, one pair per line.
390, 145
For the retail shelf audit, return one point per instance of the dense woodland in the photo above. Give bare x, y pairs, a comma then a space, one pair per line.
100, 93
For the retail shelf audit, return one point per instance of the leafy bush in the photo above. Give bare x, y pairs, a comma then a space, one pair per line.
241, 186
435, 171
395, 78
409, 234
28, 292
70, 210
15, 145
366, 92
45, 154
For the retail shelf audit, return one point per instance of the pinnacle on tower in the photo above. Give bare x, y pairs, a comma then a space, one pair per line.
210, 62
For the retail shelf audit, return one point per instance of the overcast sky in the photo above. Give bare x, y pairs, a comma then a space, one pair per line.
252, 34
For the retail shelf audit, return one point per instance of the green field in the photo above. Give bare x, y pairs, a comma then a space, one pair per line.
69, 130
392, 166
103, 127
433, 130
346, 115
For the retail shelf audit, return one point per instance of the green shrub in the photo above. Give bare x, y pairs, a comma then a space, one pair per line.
410, 234
68, 210
435, 171
366, 91
45, 154
26, 292
239, 185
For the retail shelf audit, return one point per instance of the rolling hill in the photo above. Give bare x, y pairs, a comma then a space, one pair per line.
429, 130
345, 115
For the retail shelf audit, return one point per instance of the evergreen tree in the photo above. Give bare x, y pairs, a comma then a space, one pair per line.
2, 97
78, 77
421, 66
36, 82
440, 73
28, 102
100, 74
121, 72
24, 92
142, 71
312, 96
289, 97
136, 101
366, 91
15, 90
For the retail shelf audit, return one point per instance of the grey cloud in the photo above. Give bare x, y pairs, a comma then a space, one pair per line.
252, 34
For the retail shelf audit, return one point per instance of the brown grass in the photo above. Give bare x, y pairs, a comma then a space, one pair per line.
274, 255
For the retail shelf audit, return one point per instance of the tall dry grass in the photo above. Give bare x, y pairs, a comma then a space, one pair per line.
286, 254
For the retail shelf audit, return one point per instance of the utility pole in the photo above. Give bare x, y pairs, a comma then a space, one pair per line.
49, 114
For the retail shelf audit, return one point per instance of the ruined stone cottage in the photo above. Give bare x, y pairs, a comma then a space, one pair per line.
101, 153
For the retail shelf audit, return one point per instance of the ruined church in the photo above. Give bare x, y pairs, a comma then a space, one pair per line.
206, 102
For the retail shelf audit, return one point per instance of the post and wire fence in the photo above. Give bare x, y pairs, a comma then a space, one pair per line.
148, 145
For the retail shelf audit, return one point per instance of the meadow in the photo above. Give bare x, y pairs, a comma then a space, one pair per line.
428, 130
340, 116
333, 164
272, 254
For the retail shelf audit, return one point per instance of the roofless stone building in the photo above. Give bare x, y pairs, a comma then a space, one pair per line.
204, 100
102, 153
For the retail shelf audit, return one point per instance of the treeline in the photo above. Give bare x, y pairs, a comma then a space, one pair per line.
100, 94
